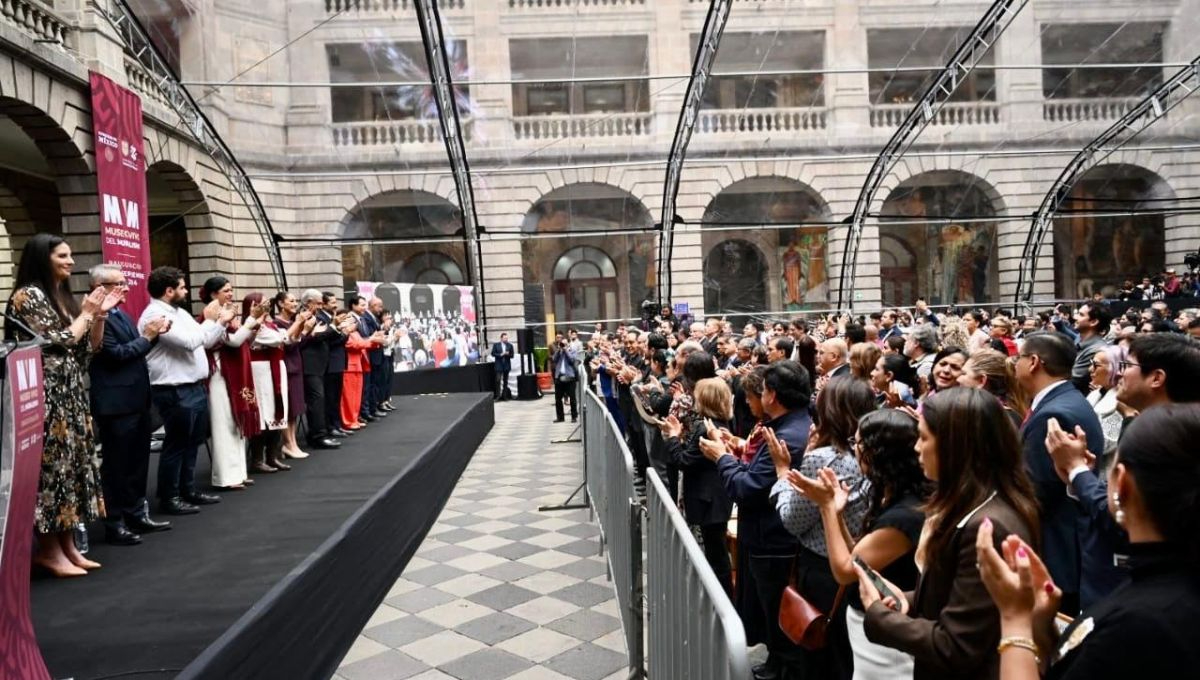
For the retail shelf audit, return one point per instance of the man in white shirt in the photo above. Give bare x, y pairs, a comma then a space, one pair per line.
178, 368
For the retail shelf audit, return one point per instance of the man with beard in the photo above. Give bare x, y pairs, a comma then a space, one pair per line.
178, 368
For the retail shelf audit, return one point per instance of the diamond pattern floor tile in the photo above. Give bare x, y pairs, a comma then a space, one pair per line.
499, 590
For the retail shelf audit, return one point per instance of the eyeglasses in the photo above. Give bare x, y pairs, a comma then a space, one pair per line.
1125, 363
118, 284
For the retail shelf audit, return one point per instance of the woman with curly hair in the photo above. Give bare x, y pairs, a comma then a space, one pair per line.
892, 529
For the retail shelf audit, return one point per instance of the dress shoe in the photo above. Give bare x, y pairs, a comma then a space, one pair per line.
339, 433
119, 535
366, 418
379, 414
559, 420
177, 506
262, 467
363, 423
197, 498
386, 407
764, 671
327, 443
145, 525
280, 465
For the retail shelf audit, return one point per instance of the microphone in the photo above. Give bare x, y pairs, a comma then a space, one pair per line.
36, 338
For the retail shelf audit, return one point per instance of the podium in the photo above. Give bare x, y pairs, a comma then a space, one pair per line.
22, 422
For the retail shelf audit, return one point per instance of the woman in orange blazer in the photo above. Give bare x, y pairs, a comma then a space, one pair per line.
352, 379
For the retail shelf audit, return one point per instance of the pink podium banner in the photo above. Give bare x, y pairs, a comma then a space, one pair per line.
121, 182
20, 469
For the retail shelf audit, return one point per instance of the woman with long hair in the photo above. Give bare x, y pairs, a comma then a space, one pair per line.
69, 492
270, 389
232, 406
705, 503
1145, 628
297, 325
892, 528
947, 366
968, 447
892, 379
839, 407
990, 370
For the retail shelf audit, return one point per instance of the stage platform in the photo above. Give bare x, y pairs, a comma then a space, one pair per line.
275, 581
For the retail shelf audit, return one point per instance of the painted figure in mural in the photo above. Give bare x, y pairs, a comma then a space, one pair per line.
793, 274
1127, 248
1082, 229
953, 251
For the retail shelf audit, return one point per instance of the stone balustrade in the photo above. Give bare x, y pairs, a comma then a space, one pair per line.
554, 4
382, 6
144, 84
392, 132
1082, 110
561, 126
36, 18
716, 121
951, 114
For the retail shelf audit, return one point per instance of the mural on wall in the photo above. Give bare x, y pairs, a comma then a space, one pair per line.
1095, 253
803, 281
956, 260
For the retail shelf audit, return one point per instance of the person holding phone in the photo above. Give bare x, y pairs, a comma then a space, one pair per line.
949, 624
883, 445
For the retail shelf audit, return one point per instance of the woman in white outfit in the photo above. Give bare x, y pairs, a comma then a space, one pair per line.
229, 385
269, 375
1105, 373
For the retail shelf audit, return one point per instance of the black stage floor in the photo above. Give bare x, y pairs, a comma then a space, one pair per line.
275, 581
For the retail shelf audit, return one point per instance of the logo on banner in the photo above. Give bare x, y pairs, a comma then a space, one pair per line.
27, 374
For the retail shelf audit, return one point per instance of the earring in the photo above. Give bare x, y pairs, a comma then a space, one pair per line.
1119, 515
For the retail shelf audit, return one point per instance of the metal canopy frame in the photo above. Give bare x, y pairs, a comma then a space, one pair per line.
138, 44
706, 54
966, 57
430, 22
1145, 113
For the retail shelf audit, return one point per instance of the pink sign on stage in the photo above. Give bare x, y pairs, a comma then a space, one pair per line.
121, 182
20, 469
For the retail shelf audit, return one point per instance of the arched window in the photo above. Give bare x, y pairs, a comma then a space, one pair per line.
1097, 253
432, 267
400, 215
955, 250
734, 279
585, 285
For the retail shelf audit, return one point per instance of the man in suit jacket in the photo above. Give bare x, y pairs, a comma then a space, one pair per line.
502, 352
334, 370
1044, 371
314, 355
120, 395
368, 325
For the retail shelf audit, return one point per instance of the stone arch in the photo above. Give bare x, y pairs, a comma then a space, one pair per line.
179, 216
795, 259
734, 281
956, 262
602, 216
430, 223
1096, 253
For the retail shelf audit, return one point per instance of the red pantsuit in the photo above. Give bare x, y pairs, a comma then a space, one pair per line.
352, 379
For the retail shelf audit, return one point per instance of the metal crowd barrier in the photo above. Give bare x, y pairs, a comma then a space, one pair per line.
694, 631
610, 476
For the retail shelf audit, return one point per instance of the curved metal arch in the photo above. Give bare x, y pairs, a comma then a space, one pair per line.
706, 54
137, 42
1141, 116
966, 57
429, 20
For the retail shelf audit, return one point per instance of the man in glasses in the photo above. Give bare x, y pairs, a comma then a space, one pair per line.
120, 394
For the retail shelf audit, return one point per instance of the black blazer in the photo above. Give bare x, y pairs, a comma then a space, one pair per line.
315, 353
367, 325
120, 379
704, 497
337, 350
1064, 522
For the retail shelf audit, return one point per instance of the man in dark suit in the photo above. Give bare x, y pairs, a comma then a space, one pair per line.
334, 370
120, 395
502, 352
369, 316
315, 356
1044, 371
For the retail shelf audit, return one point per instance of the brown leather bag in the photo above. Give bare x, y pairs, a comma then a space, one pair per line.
800, 621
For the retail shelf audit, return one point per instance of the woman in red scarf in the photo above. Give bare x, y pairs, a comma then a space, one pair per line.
352, 380
270, 389
233, 409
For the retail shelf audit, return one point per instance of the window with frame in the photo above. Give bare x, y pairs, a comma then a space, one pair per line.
1066, 45
892, 52
744, 55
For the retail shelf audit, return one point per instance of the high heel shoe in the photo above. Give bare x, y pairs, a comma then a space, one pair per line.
85, 563
295, 454
59, 572
262, 467
280, 465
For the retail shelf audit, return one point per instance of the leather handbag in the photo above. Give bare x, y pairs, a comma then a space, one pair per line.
802, 622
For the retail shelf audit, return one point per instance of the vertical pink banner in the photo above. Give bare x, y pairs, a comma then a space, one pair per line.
24, 412
121, 183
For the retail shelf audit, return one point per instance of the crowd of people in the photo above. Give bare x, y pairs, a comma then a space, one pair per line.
965, 495
236, 378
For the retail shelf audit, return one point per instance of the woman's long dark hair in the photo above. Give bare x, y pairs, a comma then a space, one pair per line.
697, 367
1159, 451
887, 438
978, 452
35, 270
839, 406
901, 370
212, 286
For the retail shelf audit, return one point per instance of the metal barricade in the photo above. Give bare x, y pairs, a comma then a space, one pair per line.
610, 475
695, 633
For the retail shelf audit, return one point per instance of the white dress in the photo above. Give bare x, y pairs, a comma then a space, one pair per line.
228, 444
264, 390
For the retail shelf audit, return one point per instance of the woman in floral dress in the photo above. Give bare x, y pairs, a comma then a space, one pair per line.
69, 489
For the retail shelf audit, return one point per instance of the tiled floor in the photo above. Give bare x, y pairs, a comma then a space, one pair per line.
499, 590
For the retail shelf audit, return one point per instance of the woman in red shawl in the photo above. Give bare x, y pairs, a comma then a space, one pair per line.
270, 390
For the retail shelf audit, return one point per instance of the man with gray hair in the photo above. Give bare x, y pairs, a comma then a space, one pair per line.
314, 354
921, 347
